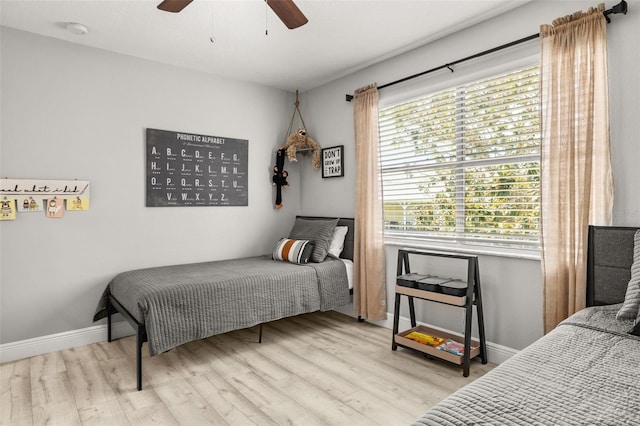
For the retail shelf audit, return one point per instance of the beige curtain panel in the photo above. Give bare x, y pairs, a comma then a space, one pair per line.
369, 288
576, 177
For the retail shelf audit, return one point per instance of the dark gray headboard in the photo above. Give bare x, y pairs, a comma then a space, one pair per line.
609, 261
347, 251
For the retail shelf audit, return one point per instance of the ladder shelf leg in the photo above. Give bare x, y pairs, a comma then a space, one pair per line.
396, 317
478, 298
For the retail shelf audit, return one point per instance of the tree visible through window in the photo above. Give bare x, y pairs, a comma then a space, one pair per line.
464, 163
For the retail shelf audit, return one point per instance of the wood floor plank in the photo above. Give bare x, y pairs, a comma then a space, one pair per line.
186, 405
251, 356
15, 393
407, 392
330, 410
349, 338
156, 415
63, 414
302, 367
51, 389
158, 370
107, 351
357, 374
272, 401
234, 407
323, 368
43, 365
217, 360
104, 413
79, 354
121, 374
381, 412
443, 375
89, 384
184, 362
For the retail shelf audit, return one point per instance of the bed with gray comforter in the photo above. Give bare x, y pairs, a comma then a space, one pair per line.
584, 372
172, 305
181, 303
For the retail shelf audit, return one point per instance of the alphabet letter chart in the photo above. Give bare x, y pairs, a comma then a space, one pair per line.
185, 169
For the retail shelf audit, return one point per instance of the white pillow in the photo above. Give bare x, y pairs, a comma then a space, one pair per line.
337, 241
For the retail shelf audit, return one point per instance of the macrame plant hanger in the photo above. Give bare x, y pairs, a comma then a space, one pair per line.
307, 146
279, 173
293, 116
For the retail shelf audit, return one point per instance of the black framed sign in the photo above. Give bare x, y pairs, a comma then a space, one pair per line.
186, 169
333, 161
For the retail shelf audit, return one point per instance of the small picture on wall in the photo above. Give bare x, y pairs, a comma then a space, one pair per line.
55, 207
7, 209
31, 204
77, 204
333, 161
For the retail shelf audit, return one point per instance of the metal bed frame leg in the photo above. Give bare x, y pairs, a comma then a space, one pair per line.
139, 341
260, 334
108, 321
113, 306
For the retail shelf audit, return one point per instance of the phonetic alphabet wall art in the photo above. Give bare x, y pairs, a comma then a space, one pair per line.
187, 169
42, 195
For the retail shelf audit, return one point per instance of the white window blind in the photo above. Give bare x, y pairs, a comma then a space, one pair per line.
464, 163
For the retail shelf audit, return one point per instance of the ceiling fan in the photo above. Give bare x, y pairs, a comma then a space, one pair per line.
286, 10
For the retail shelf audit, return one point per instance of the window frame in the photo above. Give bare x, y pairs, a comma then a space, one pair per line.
522, 248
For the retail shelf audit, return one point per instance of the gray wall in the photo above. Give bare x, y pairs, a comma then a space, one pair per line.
70, 112
512, 287
74, 112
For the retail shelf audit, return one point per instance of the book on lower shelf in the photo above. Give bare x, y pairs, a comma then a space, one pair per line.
452, 346
425, 339
447, 345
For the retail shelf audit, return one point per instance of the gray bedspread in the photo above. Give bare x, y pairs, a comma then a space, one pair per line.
585, 372
181, 303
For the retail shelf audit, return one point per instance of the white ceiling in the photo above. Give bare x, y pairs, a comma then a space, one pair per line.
342, 36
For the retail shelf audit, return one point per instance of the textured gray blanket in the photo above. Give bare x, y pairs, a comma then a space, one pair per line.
181, 303
584, 372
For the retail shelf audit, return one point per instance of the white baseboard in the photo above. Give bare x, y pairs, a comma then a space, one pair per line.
61, 341
495, 353
98, 333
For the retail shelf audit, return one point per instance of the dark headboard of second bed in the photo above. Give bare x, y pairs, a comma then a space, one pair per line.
347, 251
609, 261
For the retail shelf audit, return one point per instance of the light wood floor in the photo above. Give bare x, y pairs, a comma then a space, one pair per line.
314, 369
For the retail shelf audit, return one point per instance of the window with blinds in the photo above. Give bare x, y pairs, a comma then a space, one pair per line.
463, 164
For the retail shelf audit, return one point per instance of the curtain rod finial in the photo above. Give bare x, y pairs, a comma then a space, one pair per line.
621, 7
348, 98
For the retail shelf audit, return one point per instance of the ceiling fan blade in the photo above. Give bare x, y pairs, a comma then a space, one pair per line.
288, 13
173, 5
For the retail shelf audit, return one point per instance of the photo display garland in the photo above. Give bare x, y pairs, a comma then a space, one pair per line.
186, 169
43, 195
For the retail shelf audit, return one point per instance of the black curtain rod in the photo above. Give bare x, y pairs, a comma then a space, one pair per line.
619, 8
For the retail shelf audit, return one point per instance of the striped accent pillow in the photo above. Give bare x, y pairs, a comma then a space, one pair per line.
631, 305
294, 251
